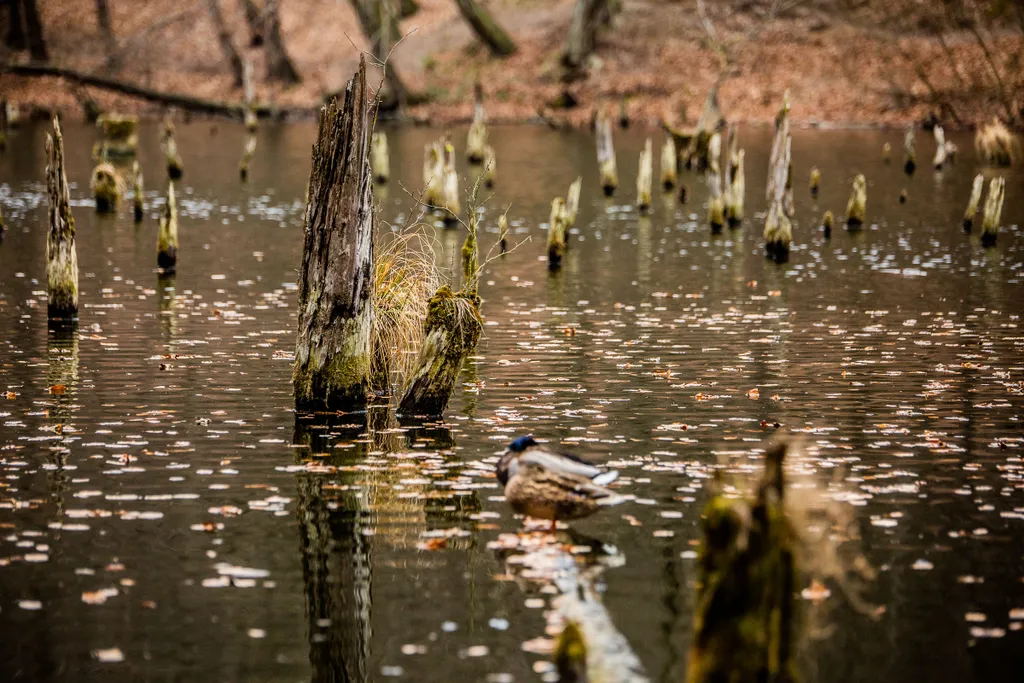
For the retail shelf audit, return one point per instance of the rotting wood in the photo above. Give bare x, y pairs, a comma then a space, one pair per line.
61, 255
645, 178
379, 159
856, 207
332, 351
486, 28
606, 154
778, 229
972, 204
735, 194
993, 211
572, 202
167, 235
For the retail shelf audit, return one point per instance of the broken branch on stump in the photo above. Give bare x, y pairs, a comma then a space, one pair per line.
332, 350
61, 256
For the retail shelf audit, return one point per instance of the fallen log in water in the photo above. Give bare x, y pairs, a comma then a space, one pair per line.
856, 207
993, 211
61, 256
332, 350
973, 202
645, 178
167, 236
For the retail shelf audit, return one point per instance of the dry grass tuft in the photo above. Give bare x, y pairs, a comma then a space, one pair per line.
997, 144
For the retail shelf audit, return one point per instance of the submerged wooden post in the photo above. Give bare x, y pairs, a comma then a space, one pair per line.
716, 202
433, 175
744, 622
379, 160
778, 229
606, 154
490, 167
669, 161
887, 152
167, 237
120, 136
815, 181
734, 196
909, 154
452, 205
174, 165
973, 202
106, 188
572, 202
247, 154
476, 140
940, 148
332, 349
645, 178
993, 211
503, 232
856, 207
138, 192
61, 256
826, 224
556, 233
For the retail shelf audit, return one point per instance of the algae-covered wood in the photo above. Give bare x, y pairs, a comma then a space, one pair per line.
332, 351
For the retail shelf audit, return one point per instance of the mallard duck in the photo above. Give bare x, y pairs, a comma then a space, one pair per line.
549, 484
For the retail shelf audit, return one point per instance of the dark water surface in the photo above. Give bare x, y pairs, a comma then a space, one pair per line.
166, 508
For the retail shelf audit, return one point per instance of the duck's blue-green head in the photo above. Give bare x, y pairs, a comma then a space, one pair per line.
521, 444
508, 458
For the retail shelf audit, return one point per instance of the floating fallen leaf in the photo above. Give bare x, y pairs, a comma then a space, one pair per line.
58, 389
432, 544
109, 655
754, 394
98, 597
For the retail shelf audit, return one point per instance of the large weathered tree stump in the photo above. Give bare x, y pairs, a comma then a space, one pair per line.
61, 256
778, 229
973, 202
332, 351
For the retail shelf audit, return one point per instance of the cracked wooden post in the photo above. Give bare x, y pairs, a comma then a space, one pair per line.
778, 230
476, 140
606, 154
993, 211
379, 158
669, 161
909, 154
332, 350
940, 149
138, 192
247, 154
556, 233
106, 188
973, 202
857, 205
61, 256
645, 178
744, 622
167, 236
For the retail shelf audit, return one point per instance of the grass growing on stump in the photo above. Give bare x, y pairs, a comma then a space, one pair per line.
997, 145
332, 351
993, 211
106, 188
973, 202
61, 256
167, 237
856, 207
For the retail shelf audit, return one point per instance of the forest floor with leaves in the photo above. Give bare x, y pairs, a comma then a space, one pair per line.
841, 70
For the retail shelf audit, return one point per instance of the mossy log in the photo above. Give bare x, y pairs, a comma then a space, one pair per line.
486, 28
669, 164
379, 158
736, 191
556, 233
940, 148
332, 350
453, 328
973, 202
247, 154
572, 202
826, 224
61, 256
909, 153
856, 207
993, 211
645, 178
138, 192
606, 155
106, 188
476, 140
167, 236
490, 167
744, 622
996, 144
815, 181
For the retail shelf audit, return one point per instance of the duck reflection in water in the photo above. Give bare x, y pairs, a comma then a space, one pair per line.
550, 484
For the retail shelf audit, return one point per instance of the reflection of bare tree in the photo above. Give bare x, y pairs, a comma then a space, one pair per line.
168, 309
62, 383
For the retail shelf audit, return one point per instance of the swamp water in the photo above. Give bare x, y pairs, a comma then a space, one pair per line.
164, 516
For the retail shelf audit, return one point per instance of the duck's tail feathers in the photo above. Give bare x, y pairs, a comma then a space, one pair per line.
606, 478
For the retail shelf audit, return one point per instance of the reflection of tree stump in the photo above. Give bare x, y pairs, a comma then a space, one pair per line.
332, 353
61, 256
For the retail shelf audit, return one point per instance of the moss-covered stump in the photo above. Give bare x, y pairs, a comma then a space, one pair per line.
856, 207
453, 328
606, 155
973, 202
332, 350
106, 188
120, 136
746, 573
61, 256
645, 178
379, 158
556, 233
138, 192
993, 211
167, 235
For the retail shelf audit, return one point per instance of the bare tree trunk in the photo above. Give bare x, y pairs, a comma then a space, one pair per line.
107, 29
587, 18
486, 28
279, 64
15, 38
256, 20
224, 37
379, 21
34, 30
332, 352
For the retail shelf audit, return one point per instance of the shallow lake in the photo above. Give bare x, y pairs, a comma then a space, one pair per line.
164, 516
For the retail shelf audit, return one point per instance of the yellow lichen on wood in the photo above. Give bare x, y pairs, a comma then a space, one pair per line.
61, 255
645, 177
106, 187
167, 236
993, 211
974, 202
138, 192
996, 144
556, 233
856, 207
606, 154
379, 158
669, 160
